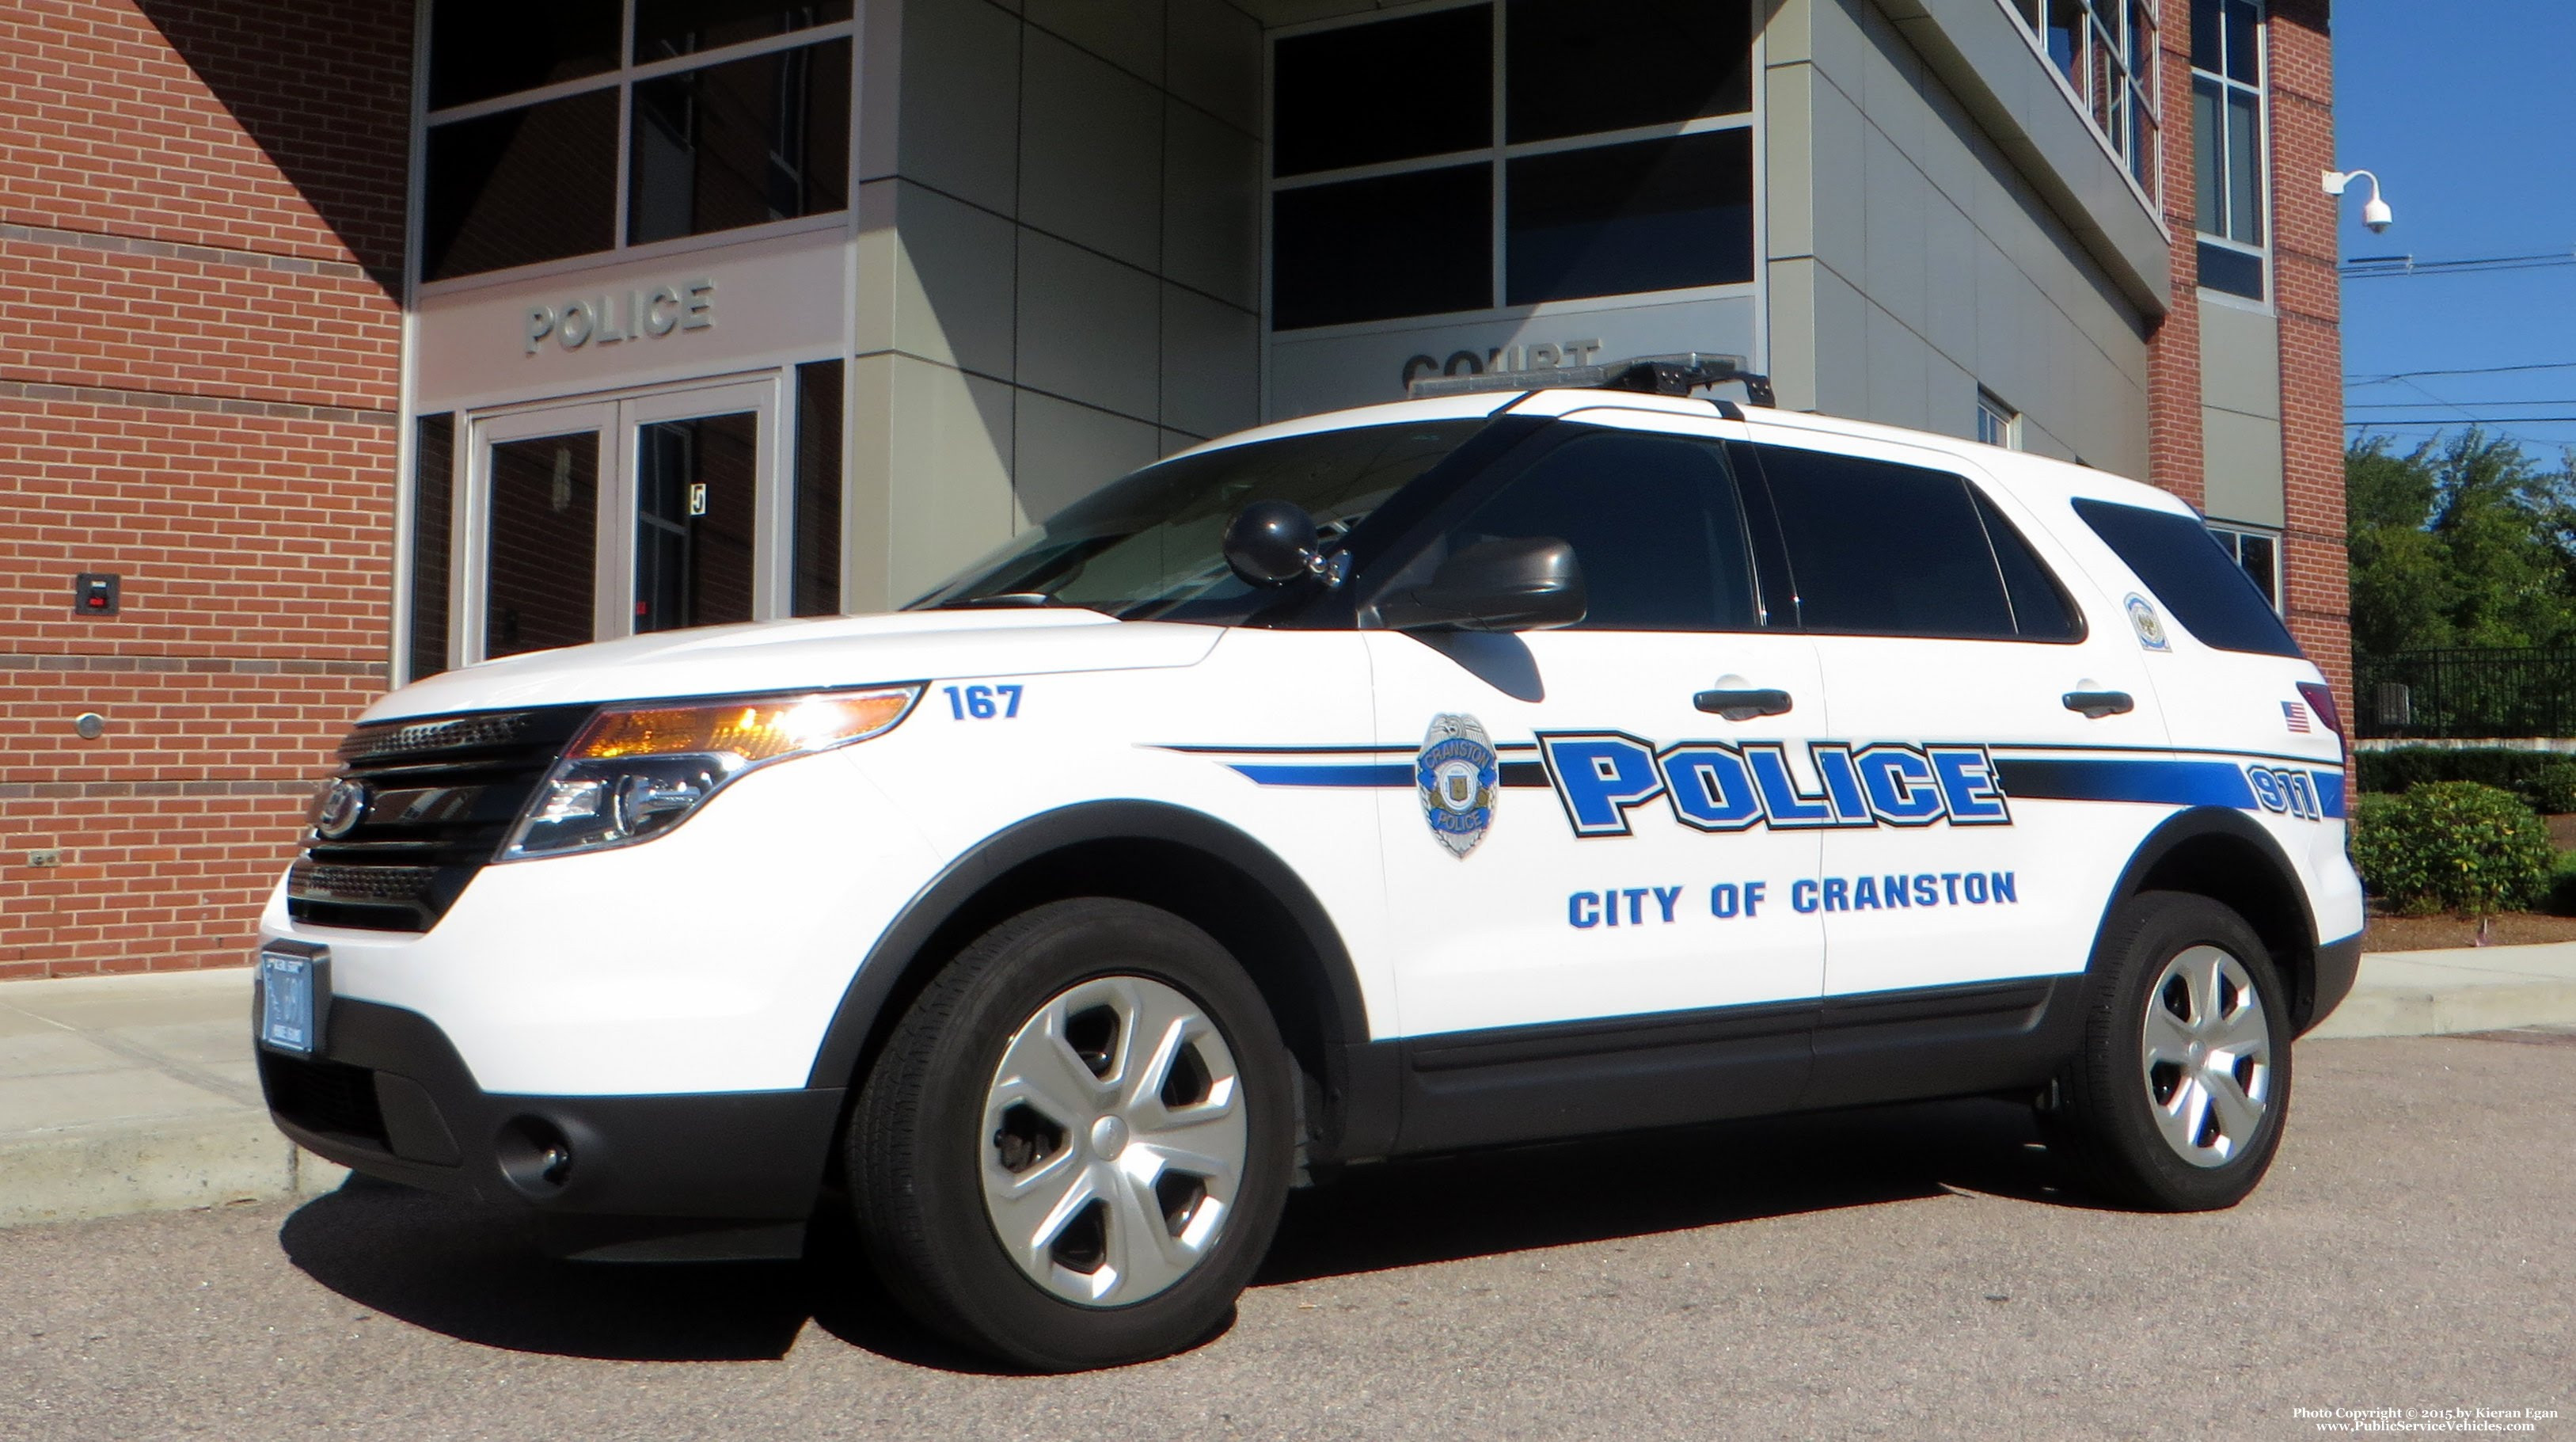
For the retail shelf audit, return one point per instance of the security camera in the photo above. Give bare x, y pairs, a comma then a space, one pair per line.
2374, 212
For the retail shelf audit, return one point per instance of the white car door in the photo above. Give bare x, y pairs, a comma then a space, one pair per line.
1965, 676
1584, 837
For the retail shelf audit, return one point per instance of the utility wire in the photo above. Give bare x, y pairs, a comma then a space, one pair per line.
2363, 380
2385, 266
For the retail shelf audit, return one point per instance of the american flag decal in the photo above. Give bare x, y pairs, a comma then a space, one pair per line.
2295, 714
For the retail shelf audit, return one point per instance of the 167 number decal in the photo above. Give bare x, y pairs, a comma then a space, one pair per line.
979, 702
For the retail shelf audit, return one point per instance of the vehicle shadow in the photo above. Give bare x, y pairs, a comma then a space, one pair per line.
480, 1275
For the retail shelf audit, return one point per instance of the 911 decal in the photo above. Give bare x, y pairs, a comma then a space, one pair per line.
1600, 776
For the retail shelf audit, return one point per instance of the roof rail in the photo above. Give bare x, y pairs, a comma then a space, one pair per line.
1661, 375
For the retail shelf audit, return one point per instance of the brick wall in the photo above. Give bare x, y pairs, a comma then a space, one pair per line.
201, 216
2173, 351
2316, 569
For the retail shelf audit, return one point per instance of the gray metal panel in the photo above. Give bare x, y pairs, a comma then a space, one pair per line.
2240, 359
2241, 467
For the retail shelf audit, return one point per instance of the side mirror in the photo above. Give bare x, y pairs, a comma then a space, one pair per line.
1521, 583
1270, 543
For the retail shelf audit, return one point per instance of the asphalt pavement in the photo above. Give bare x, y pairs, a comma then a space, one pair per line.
1909, 1272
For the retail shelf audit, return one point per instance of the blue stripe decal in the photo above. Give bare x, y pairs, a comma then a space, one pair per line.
2165, 783
1399, 774
2329, 791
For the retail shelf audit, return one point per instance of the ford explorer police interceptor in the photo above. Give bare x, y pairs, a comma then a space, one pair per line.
1501, 765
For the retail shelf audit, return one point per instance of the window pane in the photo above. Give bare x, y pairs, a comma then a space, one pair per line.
1653, 215
2208, 137
482, 48
2260, 556
1392, 90
2233, 271
2108, 87
694, 502
2142, 140
433, 493
2244, 57
2200, 585
2040, 609
2205, 54
2065, 40
1884, 549
664, 28
2244, 170
537, 183
742, 143
1654, 524
1577, 67
543, 543
1416, 244
2142, 40
818, 489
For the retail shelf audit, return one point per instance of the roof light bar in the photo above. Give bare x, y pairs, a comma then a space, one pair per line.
1662, 375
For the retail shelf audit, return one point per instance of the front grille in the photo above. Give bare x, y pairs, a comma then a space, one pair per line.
323, 1096
442, 796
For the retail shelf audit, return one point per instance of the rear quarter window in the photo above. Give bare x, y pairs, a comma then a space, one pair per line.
2198, 584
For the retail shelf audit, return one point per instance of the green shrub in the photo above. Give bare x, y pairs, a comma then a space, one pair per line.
2559, 898
2451, 845
2546, 780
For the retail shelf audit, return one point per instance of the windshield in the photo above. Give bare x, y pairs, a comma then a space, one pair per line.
1148, 547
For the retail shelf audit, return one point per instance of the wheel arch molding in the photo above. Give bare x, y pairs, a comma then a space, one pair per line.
1195, 866
2226, 856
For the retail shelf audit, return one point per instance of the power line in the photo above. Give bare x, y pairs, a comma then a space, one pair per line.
2365, 267
2419, 405
2363, 380
2462, 420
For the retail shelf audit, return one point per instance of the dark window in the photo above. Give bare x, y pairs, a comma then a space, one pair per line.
1653, 215
1394, 90
817, 541
2200, 584
664, 28
482, 48
694, 506
742, 143
1579, 67
2040, 609
433, 493
521, 186
1886, 549
1654, 524
544, 538
1417, 244
2236, 272
1150, 546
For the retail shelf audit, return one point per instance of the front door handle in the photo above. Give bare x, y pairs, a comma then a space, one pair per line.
2097, 704
1743, 705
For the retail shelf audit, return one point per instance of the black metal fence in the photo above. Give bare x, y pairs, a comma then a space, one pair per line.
2467, 692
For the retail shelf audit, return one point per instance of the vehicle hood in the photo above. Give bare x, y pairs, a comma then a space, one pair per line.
791, 655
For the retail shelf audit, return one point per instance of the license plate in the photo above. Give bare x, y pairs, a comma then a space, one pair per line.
294, 989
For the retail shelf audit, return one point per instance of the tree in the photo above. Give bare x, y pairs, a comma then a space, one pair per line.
2463, 541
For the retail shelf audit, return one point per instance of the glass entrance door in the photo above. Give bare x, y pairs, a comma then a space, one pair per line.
609, 518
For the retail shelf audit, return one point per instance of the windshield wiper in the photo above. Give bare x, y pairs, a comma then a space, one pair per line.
1001, 600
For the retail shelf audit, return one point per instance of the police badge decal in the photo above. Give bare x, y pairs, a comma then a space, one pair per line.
1457, 779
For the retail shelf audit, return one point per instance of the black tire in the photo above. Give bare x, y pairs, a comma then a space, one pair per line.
2102, 1115
919, 1133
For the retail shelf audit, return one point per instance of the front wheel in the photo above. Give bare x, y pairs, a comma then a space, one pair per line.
2177, 1101
1074, 1149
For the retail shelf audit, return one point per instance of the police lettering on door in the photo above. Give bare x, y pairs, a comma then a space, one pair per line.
1600, 776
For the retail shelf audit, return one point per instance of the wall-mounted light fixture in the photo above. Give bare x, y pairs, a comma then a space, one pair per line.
2374, 212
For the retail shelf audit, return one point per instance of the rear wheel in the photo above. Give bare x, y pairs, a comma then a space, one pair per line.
2178, 1098
1074, 1149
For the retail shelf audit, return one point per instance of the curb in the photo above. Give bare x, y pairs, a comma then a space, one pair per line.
85, 1173
2458, 989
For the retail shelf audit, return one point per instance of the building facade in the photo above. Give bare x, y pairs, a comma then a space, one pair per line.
360, 350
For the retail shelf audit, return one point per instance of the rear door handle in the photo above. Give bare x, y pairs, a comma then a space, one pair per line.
1743, 705
2098, 704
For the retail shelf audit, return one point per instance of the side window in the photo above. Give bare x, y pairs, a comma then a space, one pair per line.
2200, 585
1653, 521
1877, 548
2040, 609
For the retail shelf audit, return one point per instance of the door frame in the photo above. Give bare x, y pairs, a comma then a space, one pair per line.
615, 417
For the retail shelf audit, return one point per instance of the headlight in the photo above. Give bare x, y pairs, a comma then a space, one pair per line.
638, 770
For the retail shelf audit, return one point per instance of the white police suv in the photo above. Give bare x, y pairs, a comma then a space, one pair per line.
1502, 765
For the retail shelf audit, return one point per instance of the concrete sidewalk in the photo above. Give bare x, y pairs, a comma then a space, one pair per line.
139, 1093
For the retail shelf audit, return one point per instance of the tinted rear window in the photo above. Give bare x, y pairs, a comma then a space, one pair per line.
2200, 585
1882, 549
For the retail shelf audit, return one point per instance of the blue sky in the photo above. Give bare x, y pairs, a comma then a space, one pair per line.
2469, 117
